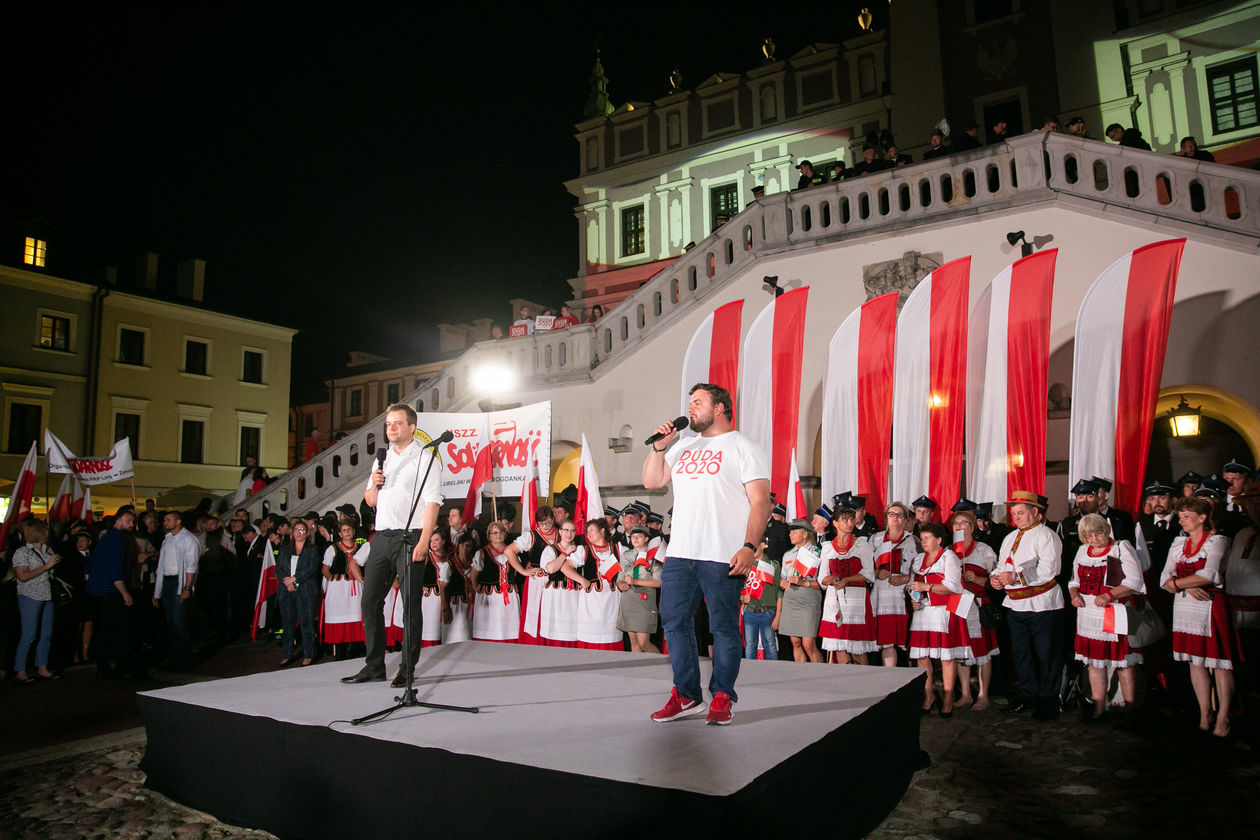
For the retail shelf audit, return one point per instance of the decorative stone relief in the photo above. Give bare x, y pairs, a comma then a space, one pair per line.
997, 60
901, 275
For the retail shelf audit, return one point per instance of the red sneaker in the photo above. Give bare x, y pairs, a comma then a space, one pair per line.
678, 707
720, 712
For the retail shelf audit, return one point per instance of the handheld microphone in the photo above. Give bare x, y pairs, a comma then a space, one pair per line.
380, 458
445, 437
680, 423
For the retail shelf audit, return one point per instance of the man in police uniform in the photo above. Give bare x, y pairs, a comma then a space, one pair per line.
1122, 524
390, 490
1235, 474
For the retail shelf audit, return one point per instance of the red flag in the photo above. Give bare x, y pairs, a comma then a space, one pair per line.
23, 493
713, 354
858, 405
589, 503
61, 506
81, 504
266, 588
796, 496
529, 492
1121, 336
770, 390
483, 471
930, 386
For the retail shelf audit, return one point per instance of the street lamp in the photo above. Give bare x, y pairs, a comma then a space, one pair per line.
1184, 420
494, 379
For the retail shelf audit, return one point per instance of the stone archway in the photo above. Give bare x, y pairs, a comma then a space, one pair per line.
1238, 420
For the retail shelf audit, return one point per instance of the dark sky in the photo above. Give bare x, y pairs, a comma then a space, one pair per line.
361, 174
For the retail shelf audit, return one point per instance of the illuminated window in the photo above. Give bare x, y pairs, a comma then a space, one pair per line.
633, 238
54, 332
1232, 91
35, 252
723, 201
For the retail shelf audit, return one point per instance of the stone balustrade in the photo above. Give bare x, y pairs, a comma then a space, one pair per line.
1025, 169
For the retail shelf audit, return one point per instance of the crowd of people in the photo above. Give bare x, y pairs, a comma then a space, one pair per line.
880, 151
950, 592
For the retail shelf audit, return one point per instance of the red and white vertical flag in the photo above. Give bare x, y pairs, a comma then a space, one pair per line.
770, 387
483, 471
529, 492
61, 506
930, 389
1121, 336
1008, 377
713, 354
23, 493
81, 504
858, 404
796, 495
267, 585
589, 504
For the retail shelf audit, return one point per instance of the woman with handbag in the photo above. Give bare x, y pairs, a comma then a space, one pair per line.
1106, 574
33, 564
1202, 635
977, 561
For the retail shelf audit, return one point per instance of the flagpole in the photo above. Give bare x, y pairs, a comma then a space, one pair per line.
47, 505
133, 491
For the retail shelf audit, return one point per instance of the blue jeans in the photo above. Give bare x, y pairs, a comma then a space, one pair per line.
37, 623
176, 612
758, 624
684, 583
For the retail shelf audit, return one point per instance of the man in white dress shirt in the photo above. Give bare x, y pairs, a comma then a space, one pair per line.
1027, 567
391, 490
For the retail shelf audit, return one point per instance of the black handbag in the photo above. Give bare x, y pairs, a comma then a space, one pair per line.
62, 594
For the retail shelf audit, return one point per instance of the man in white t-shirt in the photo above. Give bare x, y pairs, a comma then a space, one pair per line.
391, 489
721, 505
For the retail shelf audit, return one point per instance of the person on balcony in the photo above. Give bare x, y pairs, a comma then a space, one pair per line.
1190, 148
809, 178
937, 141
1131, 137
525, 321
869, 163
969, 139
1076, 127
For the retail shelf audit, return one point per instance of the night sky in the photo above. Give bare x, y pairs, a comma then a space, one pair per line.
361, 175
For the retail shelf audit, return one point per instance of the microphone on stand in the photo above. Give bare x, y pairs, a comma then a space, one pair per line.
445, 437
680, 423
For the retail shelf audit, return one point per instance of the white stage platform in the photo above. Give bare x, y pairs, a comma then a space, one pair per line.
548, 718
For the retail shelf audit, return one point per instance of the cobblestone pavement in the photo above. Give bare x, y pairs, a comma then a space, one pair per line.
993, 774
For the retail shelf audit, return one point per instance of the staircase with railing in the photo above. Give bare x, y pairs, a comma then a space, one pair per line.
1183, 195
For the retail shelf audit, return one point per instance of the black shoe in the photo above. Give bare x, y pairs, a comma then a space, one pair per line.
365, 674
400, 681
1020, 707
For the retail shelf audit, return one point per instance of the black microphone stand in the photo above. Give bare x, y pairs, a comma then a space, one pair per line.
408, 698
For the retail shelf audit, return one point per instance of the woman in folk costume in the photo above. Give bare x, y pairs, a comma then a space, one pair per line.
598, 598
342, 618
1105, 575
496, 612
639, 582
436, 572
848, 624
557, 621
799, 610
978, 561
525, 555
938, 628
460, 590
893, 550
1202, 634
